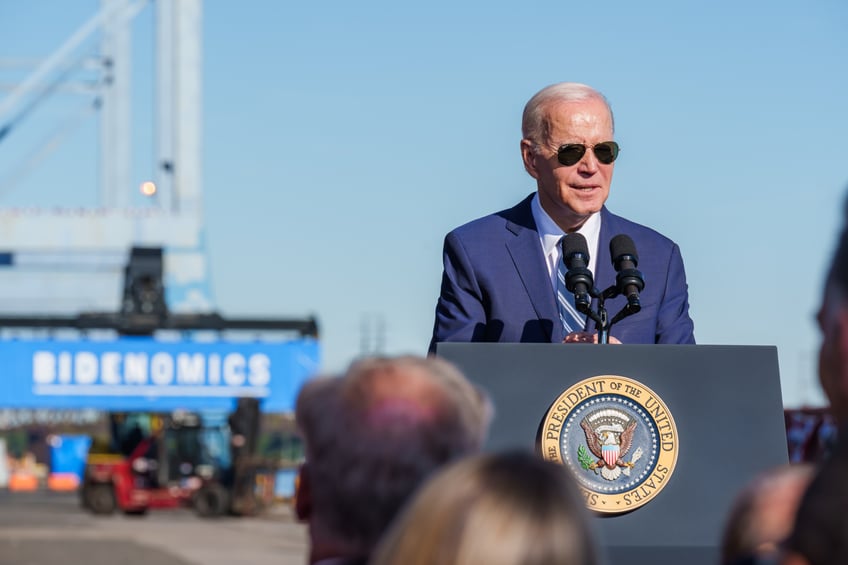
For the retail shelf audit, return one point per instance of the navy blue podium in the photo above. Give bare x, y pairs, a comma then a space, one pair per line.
725, 400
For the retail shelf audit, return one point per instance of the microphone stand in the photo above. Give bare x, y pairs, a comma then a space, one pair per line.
601, 318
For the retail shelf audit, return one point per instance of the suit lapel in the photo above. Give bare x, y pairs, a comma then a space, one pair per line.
605, 274
526, 253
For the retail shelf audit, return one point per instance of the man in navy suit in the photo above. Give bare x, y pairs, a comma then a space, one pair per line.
499, 281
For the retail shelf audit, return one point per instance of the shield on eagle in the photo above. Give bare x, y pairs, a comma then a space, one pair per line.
610, 453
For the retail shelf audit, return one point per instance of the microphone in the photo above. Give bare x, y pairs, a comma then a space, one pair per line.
578, 278
628, 278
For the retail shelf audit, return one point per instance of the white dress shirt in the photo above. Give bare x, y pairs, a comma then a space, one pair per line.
550, 234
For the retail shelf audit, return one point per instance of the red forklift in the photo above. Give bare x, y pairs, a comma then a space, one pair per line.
177, 460
134, 472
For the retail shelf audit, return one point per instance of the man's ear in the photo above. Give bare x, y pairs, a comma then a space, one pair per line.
840, 336
528, 155
303, 495
842, 329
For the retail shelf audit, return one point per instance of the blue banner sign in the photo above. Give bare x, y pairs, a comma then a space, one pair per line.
132, 373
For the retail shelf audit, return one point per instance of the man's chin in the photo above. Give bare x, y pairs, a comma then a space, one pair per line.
586, 211
586, 204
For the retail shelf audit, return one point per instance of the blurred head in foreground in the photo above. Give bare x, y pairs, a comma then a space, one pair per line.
372, 436
820, 535
505, 509
763, 514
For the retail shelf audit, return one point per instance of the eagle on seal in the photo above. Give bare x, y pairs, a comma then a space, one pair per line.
609, 443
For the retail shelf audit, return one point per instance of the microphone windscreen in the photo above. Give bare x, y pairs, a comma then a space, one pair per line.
622, 245
574, 243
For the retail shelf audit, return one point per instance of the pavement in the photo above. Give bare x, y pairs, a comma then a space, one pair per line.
46, 528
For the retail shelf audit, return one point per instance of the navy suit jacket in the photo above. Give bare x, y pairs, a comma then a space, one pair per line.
496, 285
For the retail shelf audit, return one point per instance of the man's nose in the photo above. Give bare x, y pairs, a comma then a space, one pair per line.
588, 163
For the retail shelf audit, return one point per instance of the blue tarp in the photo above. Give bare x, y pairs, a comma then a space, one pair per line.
68, 454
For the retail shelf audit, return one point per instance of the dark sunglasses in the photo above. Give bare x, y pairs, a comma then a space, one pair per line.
571, 153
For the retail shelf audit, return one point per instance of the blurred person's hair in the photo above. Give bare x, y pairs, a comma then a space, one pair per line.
373, 435
503, 509
763, 514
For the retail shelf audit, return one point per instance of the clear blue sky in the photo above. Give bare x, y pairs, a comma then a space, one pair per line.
342, 140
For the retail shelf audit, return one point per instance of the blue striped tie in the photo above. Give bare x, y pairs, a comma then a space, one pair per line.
572, 320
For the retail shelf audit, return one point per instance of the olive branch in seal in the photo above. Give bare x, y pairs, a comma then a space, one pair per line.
585, 459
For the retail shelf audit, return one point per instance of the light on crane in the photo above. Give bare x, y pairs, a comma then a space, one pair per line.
148, 188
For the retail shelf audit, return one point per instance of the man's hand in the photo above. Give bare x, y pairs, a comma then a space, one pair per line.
586, 337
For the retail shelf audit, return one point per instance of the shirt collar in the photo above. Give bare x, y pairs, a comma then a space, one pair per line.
550, 233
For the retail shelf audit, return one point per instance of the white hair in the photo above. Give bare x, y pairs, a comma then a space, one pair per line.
534, 122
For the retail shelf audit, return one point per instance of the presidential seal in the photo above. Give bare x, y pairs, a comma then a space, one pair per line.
618, 439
